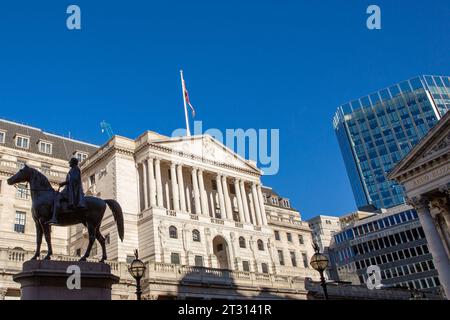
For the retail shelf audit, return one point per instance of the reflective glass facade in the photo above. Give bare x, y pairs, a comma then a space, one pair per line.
376, 131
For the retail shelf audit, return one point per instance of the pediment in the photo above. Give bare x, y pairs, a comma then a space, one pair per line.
208, 148
433, 146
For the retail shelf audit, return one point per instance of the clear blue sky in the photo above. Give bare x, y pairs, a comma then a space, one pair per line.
248, 64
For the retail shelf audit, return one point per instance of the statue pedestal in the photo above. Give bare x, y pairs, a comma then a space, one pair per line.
50, 280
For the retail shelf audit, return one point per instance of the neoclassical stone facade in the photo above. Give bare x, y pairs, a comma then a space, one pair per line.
197, 212
425, 175
189, 202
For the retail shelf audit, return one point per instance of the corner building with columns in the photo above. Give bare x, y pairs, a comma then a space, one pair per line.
425, 176
197, 213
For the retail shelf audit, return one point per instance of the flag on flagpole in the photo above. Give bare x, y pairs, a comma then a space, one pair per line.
186, 97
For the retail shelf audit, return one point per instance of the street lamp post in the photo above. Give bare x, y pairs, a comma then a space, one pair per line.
137, 269
319, 262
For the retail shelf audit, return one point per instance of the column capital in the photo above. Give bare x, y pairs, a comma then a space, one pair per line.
440, 203
445, 189
419, 202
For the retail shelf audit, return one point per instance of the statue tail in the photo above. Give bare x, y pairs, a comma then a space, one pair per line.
118, 216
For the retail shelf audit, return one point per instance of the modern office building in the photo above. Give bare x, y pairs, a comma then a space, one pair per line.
393, 240
323, 228
376, 131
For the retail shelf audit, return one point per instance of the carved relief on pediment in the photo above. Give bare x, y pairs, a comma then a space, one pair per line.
442, 145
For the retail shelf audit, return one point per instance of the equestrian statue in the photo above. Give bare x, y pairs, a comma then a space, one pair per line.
66, 208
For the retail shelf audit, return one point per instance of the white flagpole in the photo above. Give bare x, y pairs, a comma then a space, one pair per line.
188, 131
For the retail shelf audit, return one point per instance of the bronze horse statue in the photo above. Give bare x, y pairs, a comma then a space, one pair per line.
43, 195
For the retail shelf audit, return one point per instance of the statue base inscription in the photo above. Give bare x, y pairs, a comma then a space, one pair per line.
65, 280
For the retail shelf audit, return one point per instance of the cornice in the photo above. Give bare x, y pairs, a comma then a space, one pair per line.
192, 157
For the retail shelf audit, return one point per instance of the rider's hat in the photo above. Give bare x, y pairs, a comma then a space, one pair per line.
73, 161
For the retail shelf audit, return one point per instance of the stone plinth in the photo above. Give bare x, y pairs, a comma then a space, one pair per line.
47, 280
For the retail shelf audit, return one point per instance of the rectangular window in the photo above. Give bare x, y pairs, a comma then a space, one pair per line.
81, 156
289, 236
214, 185
277, 235
19, 224
2, 137
92, 180
246, 266
305, 260
281, 257
301, 240
45, 147
293, 259
199, 261
175, 258
22, 142
22, 191
264, 268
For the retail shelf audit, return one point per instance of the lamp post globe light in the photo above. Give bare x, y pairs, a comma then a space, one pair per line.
137, 270
319, 262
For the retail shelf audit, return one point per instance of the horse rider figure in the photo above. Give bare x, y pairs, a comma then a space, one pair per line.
72, 193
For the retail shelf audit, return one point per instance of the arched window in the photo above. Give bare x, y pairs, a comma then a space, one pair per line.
173, 232
260, 245
242, 242
195, 235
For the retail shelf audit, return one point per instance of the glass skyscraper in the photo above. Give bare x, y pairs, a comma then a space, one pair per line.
376, 131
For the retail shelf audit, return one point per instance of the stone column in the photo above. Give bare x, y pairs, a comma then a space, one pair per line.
252, 207
239, 200
227, 198
446, 204
188, 195
144, 181
261, 205
196, 191
173, 176
138, 179
209, 252
256, 205
223, 211
151, 177
440, 258
245, 201
203, 195
159, 188
181, 187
